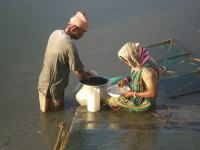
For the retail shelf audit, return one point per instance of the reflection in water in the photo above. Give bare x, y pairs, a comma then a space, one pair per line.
113, 129
61, 140
139, 128
91, 121
116, 130
49, 127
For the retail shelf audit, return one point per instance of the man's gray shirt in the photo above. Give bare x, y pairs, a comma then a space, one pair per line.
61, 57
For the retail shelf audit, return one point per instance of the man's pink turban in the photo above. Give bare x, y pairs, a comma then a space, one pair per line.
80, 21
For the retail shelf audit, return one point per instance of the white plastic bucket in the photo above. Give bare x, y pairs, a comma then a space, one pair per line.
93, 100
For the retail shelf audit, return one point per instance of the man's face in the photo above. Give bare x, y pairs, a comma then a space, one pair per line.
78, 33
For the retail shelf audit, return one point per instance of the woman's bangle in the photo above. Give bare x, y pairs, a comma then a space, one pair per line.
126, 80
134, 95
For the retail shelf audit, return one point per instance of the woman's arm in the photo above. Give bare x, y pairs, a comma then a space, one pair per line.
150, 79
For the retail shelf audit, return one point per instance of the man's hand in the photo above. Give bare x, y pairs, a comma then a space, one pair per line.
82, 75
91, 73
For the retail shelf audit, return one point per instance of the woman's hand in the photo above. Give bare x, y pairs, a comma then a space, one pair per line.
128, 94
122, 82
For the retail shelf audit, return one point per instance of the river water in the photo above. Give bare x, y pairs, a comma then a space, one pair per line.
25, 26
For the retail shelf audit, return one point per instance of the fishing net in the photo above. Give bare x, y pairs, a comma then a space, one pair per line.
179, 72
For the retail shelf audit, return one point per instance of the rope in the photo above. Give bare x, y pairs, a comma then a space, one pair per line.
166, 41
164, 117
184, 54
174, 95
182, 75
195, 59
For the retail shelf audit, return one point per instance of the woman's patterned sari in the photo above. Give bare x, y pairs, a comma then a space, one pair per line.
133, 103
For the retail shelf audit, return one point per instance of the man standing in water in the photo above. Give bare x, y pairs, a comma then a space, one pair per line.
61, 57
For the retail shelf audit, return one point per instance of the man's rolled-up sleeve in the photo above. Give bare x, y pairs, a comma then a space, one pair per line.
74, 59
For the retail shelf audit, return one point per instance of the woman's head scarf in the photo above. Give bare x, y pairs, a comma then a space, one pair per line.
134, 54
